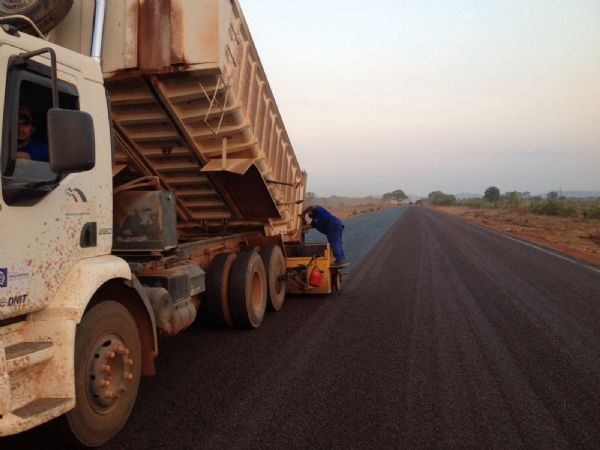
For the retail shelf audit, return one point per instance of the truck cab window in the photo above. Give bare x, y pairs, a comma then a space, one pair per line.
26, 173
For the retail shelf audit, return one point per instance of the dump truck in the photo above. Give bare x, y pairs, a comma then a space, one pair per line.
169, 186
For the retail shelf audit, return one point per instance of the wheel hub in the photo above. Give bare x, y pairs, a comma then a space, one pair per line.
109, 373
16, 6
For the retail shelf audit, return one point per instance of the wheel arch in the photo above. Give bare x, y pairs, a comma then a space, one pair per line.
108, 277
131, 294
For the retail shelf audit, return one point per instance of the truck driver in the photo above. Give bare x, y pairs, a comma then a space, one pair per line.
27, 147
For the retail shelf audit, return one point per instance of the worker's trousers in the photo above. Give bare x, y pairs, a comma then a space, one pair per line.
334, 236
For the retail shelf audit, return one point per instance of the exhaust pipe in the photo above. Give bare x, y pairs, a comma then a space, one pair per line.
98, 30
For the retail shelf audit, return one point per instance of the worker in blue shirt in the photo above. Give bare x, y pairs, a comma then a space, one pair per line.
332, 227
27, 147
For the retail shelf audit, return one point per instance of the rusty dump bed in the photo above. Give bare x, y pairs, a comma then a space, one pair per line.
191, 104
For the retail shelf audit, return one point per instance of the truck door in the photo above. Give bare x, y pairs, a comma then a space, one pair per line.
47, 221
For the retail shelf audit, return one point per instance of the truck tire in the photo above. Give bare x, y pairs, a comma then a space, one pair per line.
107, 373
248, 290
217, 290
274, 263
46, 14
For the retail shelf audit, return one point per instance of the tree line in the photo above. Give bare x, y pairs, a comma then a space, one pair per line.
398, 195
554, 204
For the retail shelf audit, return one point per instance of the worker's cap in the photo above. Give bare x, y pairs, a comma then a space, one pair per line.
25, 114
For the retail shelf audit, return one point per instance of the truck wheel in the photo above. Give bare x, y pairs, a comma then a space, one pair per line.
107, 373
46, 14
248, 290
274, 263
217, 290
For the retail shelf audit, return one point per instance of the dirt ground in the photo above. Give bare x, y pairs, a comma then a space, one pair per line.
576, 237
344, 212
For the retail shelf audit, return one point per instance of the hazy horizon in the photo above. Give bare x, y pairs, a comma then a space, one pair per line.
430, 95
462, 194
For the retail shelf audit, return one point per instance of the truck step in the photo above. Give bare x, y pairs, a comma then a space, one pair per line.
27, 354
39, 406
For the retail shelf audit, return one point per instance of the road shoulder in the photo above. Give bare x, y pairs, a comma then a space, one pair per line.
577, 239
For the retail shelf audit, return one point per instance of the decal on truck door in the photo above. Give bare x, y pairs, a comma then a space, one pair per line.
76, 194
14, 285
15, 277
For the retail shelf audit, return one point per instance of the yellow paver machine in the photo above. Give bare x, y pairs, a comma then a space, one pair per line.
310, 269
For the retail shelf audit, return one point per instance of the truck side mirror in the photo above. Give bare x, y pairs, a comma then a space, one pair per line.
71, 141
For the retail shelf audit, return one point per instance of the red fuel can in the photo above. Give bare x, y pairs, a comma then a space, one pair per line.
316, 277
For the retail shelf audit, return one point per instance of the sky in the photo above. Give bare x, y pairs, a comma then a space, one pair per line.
450, 95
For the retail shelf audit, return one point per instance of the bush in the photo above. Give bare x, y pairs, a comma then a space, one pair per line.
592, 212
553, 208
513, 200
439, 198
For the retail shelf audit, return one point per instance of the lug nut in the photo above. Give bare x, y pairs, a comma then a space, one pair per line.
128, 376
110, 355
128, 362
105, 368
108, 394
104, 383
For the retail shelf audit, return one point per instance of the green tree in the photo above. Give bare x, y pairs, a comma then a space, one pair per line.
492, 194
399, 195
552, 195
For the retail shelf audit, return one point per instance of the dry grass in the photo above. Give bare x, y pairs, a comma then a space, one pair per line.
577, 237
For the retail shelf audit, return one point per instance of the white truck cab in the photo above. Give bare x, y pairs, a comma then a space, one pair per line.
55, 226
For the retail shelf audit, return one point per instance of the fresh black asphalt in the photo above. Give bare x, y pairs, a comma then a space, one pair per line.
445, 335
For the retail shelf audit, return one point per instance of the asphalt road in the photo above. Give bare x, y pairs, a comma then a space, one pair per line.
445, 335
361, 232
